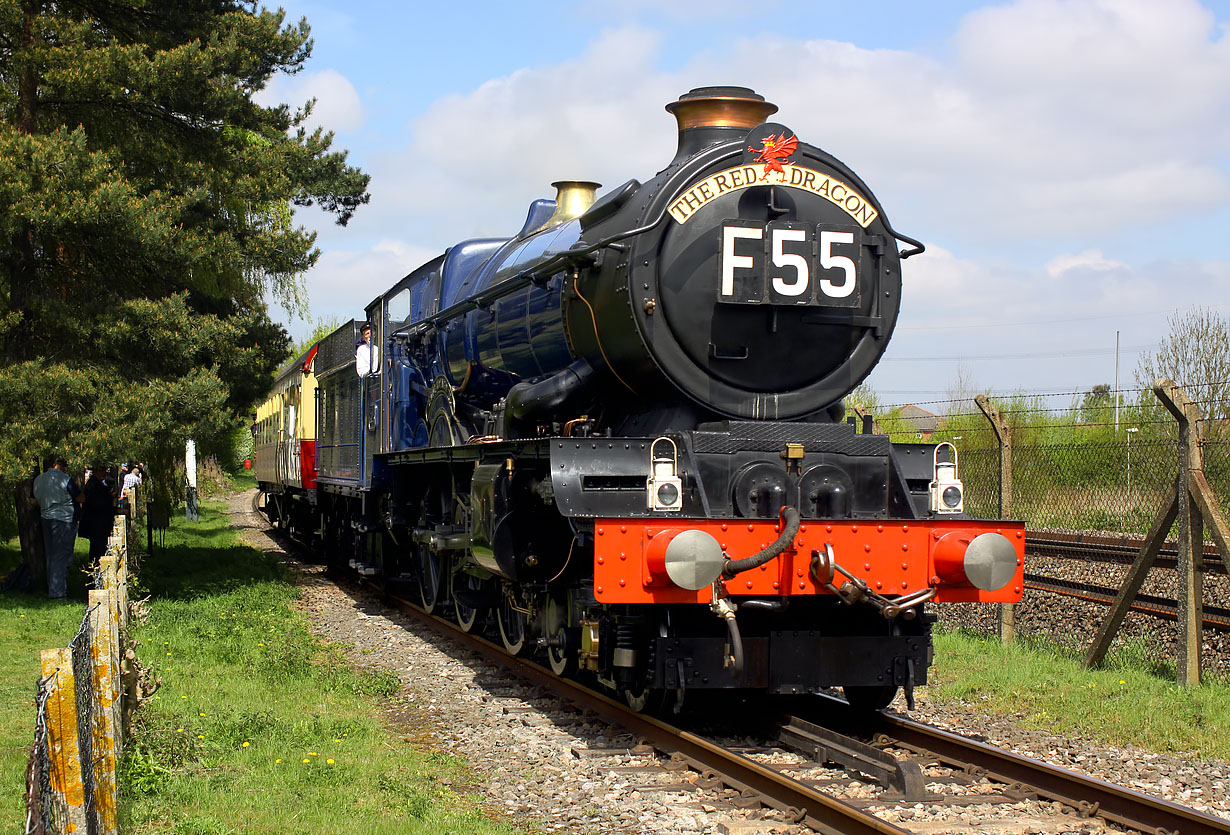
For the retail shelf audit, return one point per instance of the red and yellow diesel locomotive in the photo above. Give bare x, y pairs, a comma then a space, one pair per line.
616, 438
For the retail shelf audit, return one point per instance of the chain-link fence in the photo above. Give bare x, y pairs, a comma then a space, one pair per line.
41, 812
1072, 469
1112, 486
86, 701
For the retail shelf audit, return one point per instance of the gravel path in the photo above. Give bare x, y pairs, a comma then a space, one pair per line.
533, 762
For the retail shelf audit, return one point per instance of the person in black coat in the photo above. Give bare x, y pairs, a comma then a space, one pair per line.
97, 512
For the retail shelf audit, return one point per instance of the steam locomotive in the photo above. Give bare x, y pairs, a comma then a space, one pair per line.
616, 438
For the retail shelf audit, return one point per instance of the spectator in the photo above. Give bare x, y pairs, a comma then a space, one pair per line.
98, 513
132, 480
193, 514
56, 496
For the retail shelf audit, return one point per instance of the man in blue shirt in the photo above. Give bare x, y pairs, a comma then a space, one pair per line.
55, 493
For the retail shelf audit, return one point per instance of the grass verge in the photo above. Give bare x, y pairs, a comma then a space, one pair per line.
1041, 684
258, 725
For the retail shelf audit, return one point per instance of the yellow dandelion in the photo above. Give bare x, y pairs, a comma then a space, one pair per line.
278, 760
337, 740
200, 736
179, 730
313, 754
246, 744
183, 697
330, 762
1121, 681
306, 760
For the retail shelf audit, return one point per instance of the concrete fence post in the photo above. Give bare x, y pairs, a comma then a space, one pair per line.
67, 786
107, 573
1003, 434
101, 607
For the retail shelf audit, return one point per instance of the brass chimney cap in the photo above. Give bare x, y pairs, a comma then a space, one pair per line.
735, 107
572, 199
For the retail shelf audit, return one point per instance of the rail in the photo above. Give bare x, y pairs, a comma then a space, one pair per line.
1120, 549
805, 802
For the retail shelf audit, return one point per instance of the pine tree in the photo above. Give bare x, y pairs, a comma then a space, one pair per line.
147, 219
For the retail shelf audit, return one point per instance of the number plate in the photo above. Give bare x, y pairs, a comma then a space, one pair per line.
789, 263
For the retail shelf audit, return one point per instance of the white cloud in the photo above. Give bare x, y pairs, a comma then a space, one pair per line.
338, 106
1090, 259
343, 281
1057, 125
1052, 116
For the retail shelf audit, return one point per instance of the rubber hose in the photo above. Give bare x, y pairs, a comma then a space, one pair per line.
791, 517
736, 644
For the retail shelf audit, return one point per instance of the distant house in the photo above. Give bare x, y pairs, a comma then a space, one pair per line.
924, 423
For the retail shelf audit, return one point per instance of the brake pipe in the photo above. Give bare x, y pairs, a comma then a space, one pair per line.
790, 520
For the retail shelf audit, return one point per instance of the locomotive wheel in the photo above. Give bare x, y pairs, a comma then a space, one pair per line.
431, 581
562, 641
638, 695
467, 617
644, 699
870, 698
512, 625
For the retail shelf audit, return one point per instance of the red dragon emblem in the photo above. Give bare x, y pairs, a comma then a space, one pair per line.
775, 154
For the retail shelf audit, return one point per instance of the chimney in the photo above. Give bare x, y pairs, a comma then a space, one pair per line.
572, 199
711, 115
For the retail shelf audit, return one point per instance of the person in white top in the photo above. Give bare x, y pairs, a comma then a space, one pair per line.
366, 354
192, 512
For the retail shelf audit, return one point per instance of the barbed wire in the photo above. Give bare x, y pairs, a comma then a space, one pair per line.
41, 814
1107, 403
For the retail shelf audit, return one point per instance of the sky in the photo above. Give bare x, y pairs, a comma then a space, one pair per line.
1066, 162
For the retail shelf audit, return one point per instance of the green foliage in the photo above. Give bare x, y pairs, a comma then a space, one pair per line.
324, 326
256, 716
1196, 355
1041, 683
147, 219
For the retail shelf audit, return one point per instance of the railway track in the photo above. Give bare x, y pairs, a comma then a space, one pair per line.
808, 769
1215, 617
817, 777
1120, 550
1099, 547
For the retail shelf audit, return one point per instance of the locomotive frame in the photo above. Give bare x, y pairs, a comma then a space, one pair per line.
616, 438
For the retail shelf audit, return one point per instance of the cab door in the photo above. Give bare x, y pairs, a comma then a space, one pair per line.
375, 419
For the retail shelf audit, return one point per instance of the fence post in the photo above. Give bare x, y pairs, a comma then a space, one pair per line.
106, 565
64, 753
106, 697
1193, 505
1003, 434
1191, 531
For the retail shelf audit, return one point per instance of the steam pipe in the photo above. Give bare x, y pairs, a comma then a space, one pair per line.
533, 397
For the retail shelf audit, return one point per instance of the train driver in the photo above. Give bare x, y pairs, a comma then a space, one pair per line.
366, 354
